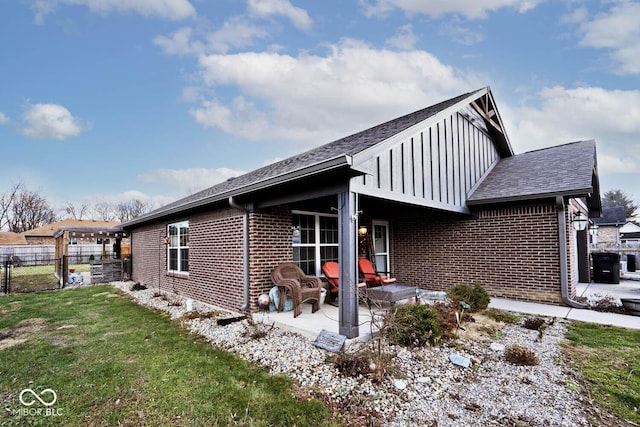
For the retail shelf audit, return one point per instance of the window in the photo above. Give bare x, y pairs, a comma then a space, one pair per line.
314, 240
381, 244
178, 247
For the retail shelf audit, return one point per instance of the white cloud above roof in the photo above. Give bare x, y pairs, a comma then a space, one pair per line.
3, 119
611, 117
190, 180
267, 8
173, 10
50, 121
618, 31
471, 9
315, 98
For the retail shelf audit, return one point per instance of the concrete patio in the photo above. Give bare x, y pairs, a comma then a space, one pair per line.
310, 324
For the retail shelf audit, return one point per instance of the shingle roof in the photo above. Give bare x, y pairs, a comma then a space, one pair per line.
9, 238
611, 216
338, 149
566, 170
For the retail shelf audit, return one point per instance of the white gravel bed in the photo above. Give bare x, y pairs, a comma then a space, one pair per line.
424, 387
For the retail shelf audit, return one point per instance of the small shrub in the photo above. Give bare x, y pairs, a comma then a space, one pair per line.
353, 364
414, 325
501, 316
521, 356
475, 296
533, 323
92, 257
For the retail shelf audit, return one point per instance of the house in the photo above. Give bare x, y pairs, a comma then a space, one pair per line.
10, 238
45, 235
438, 196
609, 225
630, 234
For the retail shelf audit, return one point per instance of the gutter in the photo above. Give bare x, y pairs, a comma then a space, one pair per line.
245, 251
564, 262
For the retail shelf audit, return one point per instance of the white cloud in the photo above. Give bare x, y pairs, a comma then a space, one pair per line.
172, 10
618, 31
3, 119
180, 43
236, 32
404, 39
50, 121
313, 98
611, 117
471, 9
267, 8
460, 33
188, 181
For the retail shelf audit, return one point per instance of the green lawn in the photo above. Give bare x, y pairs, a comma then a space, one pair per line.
38, 277
113, 362
609, 359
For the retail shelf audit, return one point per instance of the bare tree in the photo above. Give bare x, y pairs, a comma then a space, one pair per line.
6, 201
104, 211
131, 209
76, 212
29, 210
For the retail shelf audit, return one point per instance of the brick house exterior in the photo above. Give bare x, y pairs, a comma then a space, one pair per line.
440, 189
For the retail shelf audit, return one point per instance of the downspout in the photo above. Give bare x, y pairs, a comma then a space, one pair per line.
564, 261
245, 250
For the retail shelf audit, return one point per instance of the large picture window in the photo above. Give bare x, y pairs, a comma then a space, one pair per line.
178, 248
314, 240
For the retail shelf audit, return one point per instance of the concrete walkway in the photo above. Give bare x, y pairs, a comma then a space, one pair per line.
593, 291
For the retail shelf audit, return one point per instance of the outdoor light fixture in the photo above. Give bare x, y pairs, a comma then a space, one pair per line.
362, 230
579, 221
593, 229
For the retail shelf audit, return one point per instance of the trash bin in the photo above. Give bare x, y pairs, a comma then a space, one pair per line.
606, 267
631, 263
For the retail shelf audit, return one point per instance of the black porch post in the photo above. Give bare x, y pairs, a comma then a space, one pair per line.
347, 254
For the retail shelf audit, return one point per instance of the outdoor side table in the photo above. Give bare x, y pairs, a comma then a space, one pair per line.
389, 293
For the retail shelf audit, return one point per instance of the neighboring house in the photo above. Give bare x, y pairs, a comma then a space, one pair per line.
45, 235
630, 234
609, 225
9, 238
443, 197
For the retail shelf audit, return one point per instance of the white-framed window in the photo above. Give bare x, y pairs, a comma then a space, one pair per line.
314, 238
178, 247
381, 244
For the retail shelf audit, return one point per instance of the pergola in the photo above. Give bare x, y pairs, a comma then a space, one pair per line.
63, 235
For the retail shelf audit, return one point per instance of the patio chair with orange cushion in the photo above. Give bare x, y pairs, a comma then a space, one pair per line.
371, 276
302, 288
331, 271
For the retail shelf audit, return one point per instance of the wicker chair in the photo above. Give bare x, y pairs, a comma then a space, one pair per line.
290, 278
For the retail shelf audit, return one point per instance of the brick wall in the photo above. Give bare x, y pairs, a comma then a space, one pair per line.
216, 269
512, 252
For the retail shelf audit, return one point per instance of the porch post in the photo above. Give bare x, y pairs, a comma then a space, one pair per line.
347, 253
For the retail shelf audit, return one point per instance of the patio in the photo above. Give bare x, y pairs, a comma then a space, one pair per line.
310, 324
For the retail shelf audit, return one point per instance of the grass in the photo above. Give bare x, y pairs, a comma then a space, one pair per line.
609, 359
38, 277
113, 362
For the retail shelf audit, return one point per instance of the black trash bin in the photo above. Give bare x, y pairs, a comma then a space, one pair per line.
606, 267
631, 263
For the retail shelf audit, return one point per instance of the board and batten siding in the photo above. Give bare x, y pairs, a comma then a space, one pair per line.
435, 165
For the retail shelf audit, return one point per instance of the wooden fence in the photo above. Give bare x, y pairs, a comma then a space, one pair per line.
106, 270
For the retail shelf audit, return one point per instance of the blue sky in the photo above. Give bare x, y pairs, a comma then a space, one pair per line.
107, 100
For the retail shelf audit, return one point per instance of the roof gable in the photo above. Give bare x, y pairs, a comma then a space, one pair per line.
335, 154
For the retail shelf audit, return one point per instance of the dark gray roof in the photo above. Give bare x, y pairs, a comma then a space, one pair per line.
612, 216
332, 154
564, 170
